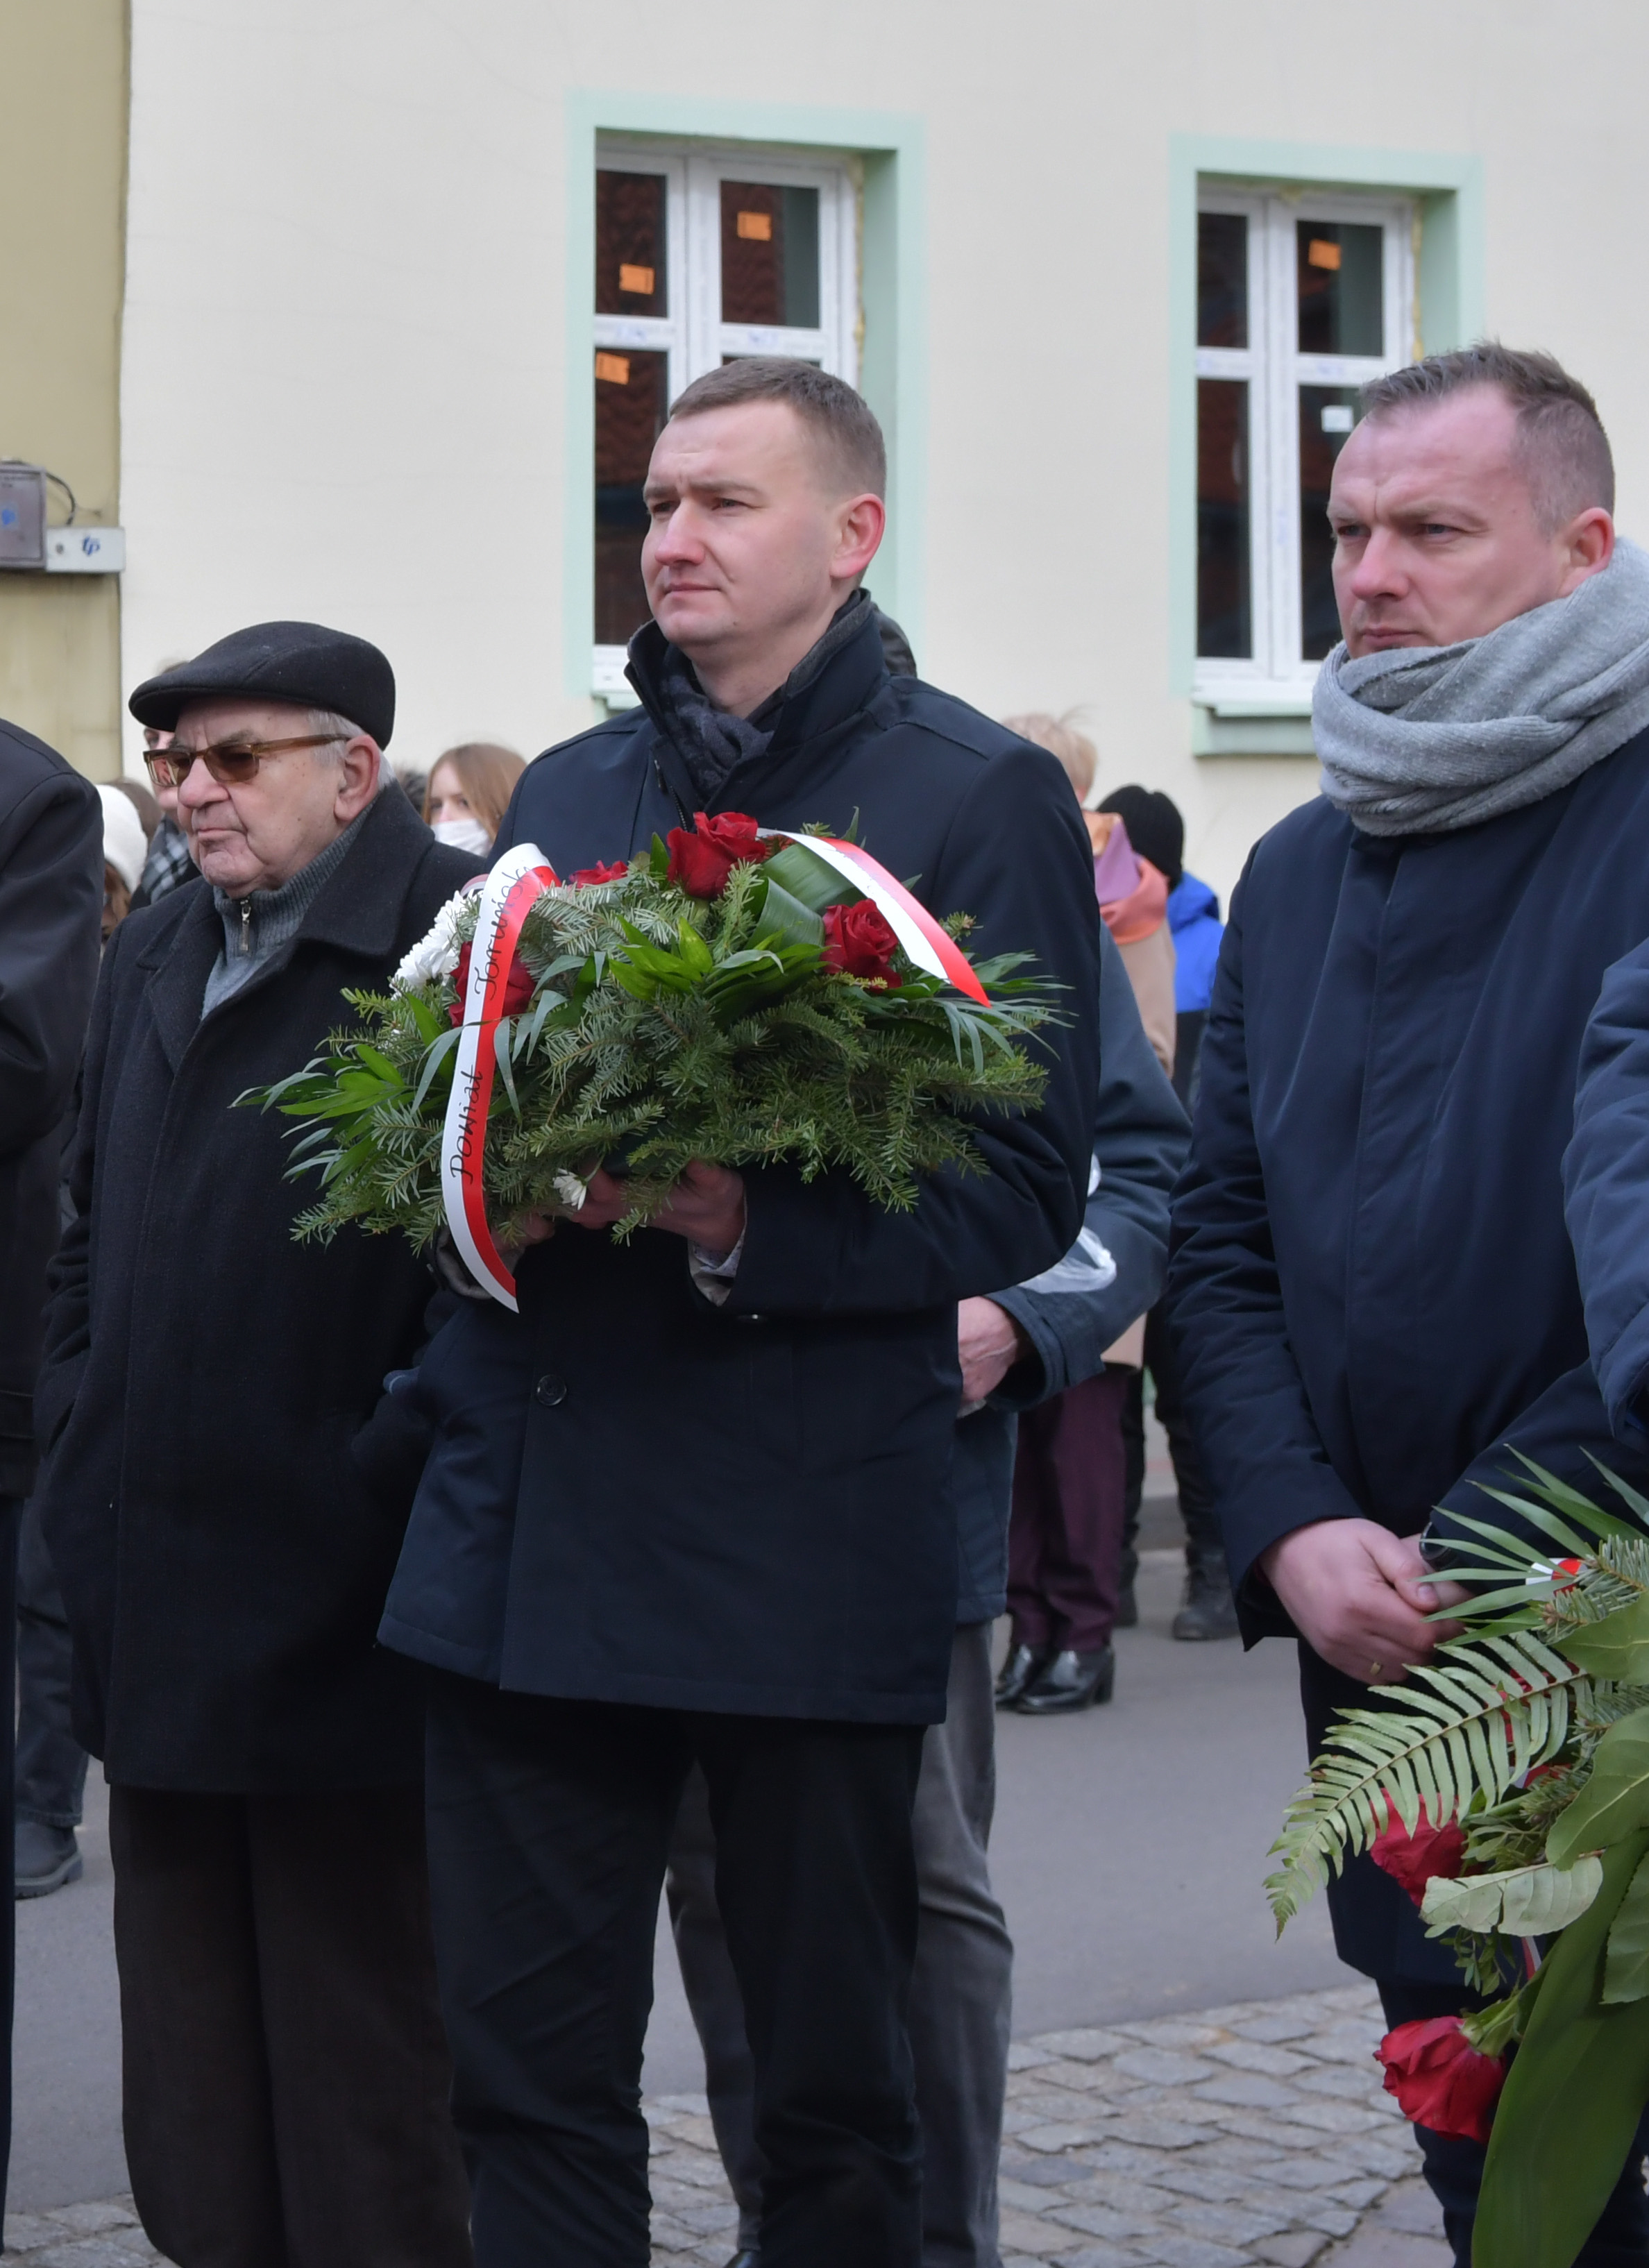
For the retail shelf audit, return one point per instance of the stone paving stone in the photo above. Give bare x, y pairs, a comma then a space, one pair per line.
1252, 2136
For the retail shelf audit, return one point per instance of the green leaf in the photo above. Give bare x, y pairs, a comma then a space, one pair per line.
1524, 1902
659, 859
1615, 1800
803, 875
1617, 1648
432, 1062
784, 914
698, 955
1626, 1965
1573, 2098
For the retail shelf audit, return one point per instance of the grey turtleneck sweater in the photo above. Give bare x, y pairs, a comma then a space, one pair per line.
257, 925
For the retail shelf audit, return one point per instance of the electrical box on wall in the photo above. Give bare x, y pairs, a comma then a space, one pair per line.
86, 551
22, 516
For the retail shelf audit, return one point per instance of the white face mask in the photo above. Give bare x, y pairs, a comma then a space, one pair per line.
463, 835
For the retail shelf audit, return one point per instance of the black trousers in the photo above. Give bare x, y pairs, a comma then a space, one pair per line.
51, 1764
549, 1825
286, 2081
1203, 1538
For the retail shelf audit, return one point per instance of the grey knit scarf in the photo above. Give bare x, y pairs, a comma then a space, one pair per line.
1423, 739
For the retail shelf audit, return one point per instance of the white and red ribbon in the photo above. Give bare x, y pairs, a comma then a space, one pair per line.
923, 941
519, 877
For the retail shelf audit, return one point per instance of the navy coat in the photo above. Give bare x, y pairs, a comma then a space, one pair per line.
747, 1508
1371, 1281
1074, 1310
1606, 1178
222, 1555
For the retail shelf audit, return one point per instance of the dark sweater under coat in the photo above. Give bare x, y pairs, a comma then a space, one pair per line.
51, 905
1370, 1280
747, 1508
223, 1557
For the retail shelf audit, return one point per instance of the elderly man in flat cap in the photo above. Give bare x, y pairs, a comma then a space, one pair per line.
223, 1500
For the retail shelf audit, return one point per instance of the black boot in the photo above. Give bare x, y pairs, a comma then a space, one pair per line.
1209, 1610
1126, 1604
1071, 1681
1024, 1666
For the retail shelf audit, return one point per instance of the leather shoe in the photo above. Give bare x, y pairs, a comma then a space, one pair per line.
748, 2258
1024, 1666
45, 1857
1071, 1681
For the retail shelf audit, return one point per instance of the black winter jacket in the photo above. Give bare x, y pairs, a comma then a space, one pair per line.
747, 1508
51, 902
222, 1553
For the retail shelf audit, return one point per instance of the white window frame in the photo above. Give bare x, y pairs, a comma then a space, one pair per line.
693, 335
1274, 370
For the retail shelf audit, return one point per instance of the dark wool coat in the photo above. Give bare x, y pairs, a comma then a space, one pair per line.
745, 1508
1370, 1280
223, 1556
51, 906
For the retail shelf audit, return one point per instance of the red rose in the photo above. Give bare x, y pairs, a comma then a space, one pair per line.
701, 861
1411, 1860
518, 986
586, 875
860, 941
1439, 2078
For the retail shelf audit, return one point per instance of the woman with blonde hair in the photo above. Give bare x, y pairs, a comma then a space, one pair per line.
469, 793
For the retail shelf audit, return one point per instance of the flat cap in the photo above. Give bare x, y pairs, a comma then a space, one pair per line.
301, 662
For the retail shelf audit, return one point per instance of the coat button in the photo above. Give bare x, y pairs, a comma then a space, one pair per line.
550, 1390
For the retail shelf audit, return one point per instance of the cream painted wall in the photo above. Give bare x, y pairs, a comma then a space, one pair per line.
345, 346
62, 178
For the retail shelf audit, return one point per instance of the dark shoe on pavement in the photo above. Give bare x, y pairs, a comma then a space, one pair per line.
46, 1858
1126, 1604
1210, 1610
1071, 1680
749, 2258
1024, 1666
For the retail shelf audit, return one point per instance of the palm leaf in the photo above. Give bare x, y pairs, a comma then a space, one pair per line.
1487, 1710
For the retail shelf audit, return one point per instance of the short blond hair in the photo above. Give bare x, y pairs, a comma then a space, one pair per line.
1060, 737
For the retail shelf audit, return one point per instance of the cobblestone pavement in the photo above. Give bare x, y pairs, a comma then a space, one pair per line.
1255, 2136
1252, 2134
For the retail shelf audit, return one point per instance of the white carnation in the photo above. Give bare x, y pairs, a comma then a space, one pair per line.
571, 1191
436, 954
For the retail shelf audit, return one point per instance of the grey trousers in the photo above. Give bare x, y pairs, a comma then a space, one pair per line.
960, 1994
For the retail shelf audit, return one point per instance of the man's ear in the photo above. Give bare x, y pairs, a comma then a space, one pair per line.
861, 523
358, 770
1588, 545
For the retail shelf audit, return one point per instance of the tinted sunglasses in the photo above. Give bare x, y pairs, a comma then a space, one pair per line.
231, 762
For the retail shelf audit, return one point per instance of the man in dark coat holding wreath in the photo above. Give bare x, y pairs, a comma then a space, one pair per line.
1371, 1284
730, 1537
224, 1507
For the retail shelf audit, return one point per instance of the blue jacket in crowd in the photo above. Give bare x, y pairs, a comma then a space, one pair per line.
1194, 919
1606, 1174
1074, 1310
1372, 1283
748, 1507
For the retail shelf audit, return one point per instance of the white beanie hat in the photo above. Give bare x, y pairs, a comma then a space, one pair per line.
125, 845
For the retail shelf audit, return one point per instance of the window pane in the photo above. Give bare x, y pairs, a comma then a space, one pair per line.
632, 401
770, 256
1222, 280
1327, 414
1224, 610
630, 245
1341, 297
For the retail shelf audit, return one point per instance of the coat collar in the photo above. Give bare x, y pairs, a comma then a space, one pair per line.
830, 699
358, 911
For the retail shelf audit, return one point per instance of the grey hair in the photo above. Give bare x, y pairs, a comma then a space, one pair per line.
341, 729
1561, 448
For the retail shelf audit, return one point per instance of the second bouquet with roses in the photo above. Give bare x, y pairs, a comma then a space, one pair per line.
728, 996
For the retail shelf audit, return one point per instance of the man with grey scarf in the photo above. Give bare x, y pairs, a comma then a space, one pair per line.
1371, 1283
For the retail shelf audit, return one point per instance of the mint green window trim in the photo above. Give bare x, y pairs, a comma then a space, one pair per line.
893, 362
1448, 191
